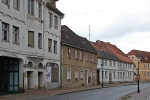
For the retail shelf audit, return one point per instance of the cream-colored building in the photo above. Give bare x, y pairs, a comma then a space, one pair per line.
78, 60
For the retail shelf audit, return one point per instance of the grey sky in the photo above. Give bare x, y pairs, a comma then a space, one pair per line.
124, 23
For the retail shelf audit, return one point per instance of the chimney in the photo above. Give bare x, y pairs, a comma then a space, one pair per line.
53, 3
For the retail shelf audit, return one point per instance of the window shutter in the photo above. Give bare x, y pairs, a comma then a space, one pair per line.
30, 39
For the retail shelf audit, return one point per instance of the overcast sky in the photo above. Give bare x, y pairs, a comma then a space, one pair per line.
124, 23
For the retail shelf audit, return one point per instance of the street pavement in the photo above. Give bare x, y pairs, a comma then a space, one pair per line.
39, 94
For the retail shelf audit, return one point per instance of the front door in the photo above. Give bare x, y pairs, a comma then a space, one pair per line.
9, 79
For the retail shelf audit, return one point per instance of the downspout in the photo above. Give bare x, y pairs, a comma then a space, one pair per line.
62, 65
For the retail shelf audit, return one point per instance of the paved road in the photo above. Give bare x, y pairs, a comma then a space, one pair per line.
111, 93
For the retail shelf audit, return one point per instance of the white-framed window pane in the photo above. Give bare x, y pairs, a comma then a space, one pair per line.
5, 31
50, 19
68, 74
40, 10
76, 54
76, 74
31, 7
55, 22
81, 75
39, 40
15, 35
16, 4
5, 2
31, 38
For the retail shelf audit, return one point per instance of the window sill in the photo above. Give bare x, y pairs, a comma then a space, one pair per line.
40, 48
16, 43
55, 52
30, 46
68, 79
5, 41
17, 9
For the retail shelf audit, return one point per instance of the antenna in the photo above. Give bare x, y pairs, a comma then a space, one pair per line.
89, 33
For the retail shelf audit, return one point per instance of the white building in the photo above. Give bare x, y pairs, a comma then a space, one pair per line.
115, 65
30, 45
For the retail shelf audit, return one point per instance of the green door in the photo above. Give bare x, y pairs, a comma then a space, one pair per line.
11, 67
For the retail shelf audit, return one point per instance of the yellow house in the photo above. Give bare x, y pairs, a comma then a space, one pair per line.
78, 60
143, 63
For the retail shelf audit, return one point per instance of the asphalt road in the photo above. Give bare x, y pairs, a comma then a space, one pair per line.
111, 93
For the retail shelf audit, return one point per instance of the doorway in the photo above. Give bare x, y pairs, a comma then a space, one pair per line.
40, 80
86, 77
98, 81
29, 80
9, 78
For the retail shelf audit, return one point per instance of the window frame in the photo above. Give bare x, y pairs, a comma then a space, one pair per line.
55, 47
39, 10
31, 7
68, 74
5, 30
30, 45
76, 74
49, 45
6, 2
17, 7
55, 22
76, 54
40, 40
16, 41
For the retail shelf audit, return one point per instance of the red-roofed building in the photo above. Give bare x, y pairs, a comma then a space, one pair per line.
144, 64
117, 66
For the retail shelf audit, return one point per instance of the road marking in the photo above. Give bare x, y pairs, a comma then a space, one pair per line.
98, 92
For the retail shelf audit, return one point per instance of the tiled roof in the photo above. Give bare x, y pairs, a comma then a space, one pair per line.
145, 56
69, 38
113, 50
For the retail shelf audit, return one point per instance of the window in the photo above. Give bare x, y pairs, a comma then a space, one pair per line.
15, 35
105, 74
5, 2
105, 62
69, 53
40, 40
16, 4
76, 74
114, 75
91, 58
132, 58
50, 20
149, 73
40, 10
68, 74
145, 73
114, 63
94, 59
110, 62
118, 64
94, 75
31, 7
76, 54
55, 46
91, 74
55, 22
49, 45
118, 75
81, 55
81, 74
87, 58
30, 38
145, 66
5, 31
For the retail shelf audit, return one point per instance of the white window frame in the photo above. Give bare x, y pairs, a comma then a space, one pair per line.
68, 74
5, 30
81, 55
16, 4
55, 22
50, 20
76, 54
81, 74
6, 2
69, 53
31, 7
76, 74
87, 58
40, 40
15, 35
39, 10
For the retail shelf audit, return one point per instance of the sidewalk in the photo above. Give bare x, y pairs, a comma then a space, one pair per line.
35, 95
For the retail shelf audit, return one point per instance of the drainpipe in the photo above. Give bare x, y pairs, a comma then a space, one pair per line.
62, 65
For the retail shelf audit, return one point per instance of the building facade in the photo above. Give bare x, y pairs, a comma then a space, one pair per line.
113, 64
79, 60
27, 59
144, 64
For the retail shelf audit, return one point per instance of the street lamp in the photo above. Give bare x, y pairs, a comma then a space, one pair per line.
138, 75
102, 72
